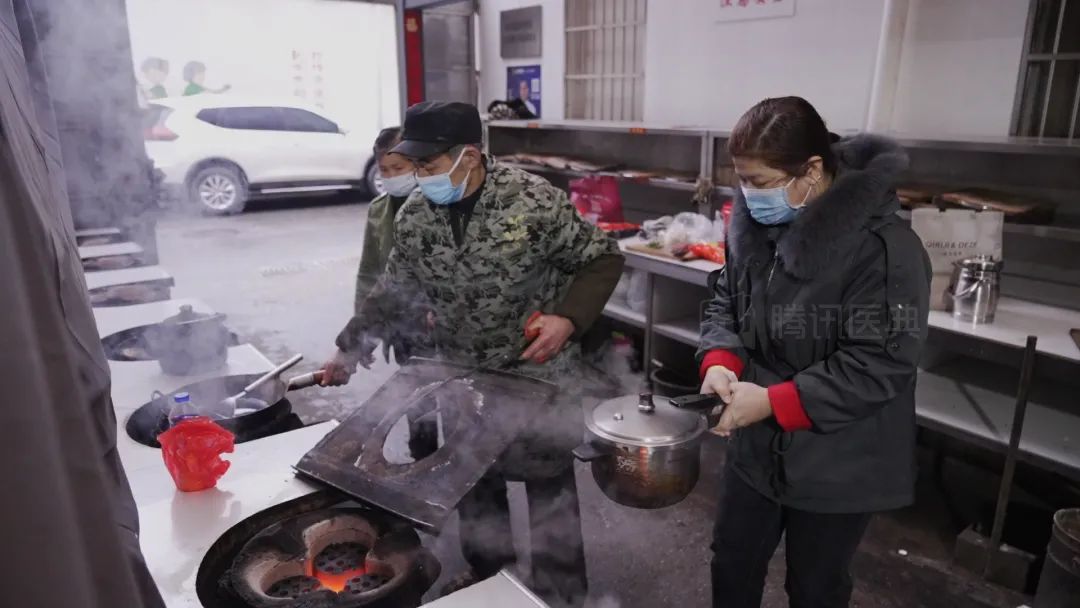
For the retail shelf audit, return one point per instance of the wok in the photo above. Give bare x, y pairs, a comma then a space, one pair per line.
263, 408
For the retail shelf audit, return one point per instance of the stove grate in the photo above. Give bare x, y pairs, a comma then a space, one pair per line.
294, 587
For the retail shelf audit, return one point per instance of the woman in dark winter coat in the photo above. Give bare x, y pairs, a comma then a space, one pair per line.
811, 339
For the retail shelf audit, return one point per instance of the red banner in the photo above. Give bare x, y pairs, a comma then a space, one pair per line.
414, 56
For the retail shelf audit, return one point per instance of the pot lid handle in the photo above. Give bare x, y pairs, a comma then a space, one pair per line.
645, 403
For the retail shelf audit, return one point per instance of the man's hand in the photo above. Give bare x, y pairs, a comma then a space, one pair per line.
552, 332
718, 380
339, 369
749, 404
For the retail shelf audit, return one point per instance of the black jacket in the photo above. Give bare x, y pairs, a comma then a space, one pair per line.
835, 302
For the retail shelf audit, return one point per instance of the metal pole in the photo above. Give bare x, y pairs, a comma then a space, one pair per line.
1027, 369
648, 346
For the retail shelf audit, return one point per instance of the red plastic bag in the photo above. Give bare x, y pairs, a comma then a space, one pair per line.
596, 198
192, 452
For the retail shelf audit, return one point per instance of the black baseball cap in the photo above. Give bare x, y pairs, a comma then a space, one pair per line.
433, 127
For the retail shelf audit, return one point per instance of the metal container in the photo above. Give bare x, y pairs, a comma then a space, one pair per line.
643, 454
975, 288
1059, 584
189, 342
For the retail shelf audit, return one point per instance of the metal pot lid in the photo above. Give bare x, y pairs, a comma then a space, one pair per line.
630, 420
981, 262
187, 314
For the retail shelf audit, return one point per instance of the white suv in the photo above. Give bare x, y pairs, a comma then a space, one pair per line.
219, 151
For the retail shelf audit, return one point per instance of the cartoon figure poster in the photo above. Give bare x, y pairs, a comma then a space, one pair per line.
523, 82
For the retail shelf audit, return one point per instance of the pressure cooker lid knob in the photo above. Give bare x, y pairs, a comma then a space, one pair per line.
645, 403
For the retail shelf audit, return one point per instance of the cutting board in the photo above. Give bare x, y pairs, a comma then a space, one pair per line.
653, 251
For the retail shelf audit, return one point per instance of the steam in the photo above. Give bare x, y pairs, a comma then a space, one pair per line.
88, 57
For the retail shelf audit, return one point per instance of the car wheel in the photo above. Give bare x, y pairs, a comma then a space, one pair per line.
219, 190
373, 181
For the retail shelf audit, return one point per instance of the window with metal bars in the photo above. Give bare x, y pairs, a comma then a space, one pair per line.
1048, 95
605, 59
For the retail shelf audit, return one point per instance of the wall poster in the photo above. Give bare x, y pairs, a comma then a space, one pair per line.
523, 82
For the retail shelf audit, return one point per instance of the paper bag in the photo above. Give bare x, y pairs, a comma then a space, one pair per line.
952, 235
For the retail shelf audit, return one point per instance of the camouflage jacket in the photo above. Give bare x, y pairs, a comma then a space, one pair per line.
520, 253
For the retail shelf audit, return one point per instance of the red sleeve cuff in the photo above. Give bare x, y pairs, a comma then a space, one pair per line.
723, 357
787, 407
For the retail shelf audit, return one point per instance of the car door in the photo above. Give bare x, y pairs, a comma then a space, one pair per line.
255, 137
327, 154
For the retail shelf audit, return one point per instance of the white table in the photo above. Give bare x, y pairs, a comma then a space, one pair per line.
127, 276
100, 251
178, 528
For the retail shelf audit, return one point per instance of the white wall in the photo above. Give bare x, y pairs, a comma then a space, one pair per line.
249, 45
699, 71
552, 63
959, 67
957, 75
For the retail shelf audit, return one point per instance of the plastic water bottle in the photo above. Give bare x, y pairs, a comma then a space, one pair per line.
182, 409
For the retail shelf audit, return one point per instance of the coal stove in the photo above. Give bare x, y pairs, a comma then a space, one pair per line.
315, 554
126, 295
111, 262
133, 344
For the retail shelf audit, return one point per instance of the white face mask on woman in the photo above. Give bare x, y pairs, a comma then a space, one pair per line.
400, 185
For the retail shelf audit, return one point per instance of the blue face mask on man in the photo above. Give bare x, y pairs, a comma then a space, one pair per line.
440, 189
770, 206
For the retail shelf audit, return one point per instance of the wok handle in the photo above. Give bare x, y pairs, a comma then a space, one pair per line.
697, 403
274, 373
304, 381
592, 450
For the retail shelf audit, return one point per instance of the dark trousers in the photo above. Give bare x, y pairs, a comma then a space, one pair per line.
819, 548
558, 551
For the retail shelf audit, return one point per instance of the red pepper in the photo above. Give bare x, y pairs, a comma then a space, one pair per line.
707, 251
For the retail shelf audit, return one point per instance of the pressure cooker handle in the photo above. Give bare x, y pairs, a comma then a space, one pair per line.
593, 450
697, 403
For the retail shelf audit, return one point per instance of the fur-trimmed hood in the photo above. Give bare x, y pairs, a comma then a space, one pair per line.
863, 189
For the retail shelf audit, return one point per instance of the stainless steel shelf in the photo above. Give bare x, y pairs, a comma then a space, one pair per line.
1057, 233
602, 126
954, 406
1007, 145
655, 182
687, 331
621, 312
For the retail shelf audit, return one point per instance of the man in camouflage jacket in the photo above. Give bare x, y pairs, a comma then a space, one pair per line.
485, 246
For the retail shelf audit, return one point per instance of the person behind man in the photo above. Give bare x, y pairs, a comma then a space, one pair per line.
399, 180
486, 246
812, 340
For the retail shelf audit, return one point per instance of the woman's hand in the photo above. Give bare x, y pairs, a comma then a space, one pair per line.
718, 380
338, 370
552, 332
749, 404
